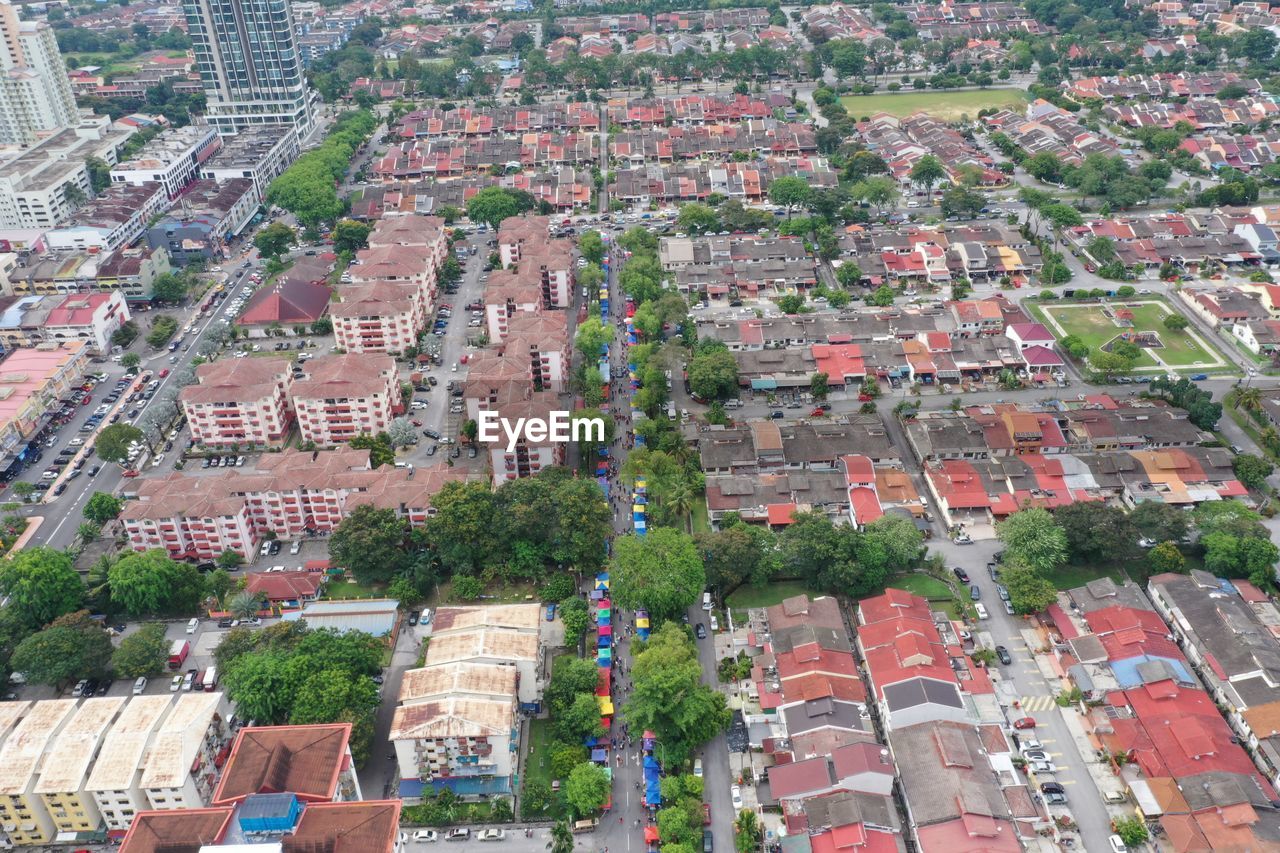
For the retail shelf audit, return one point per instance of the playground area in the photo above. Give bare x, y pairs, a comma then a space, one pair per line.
1101, 325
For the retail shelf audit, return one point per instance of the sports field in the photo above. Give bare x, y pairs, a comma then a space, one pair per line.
1181, 349
948, 106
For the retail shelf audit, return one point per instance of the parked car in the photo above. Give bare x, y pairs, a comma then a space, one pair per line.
975, 592
1043, 767
460, 833
961, 574
735, 794
426, 835
1052, 788
1024, 723
700, 631
491, 835
1035, 755
1003, 654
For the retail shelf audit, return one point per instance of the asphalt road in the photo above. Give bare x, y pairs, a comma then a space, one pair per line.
1034, 694
63, 513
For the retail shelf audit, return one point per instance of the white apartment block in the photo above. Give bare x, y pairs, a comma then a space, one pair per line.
115, 782
66, 765
35, 185
173, 159
517, 232
116, 218
342, 396
259, 153
35, 94
180, 771
507, 295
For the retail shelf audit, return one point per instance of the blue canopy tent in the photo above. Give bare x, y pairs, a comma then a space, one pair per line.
599, 756
652, 782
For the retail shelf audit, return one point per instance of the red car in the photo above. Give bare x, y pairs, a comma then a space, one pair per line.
706, 814
1025, 723
416, 423
129, 473
164, 373
86, 400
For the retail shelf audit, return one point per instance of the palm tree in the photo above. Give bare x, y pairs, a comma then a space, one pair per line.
561, 838
679, 501
245, 604
1249, 399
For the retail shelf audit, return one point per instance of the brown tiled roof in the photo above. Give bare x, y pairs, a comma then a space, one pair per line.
302, 760
344, 376
176, 831
364, 827
518, 228
236, 380
283, 586
413, 230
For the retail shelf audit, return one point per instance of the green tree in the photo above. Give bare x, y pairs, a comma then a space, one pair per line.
789, 192
369, 543
747, 832
460, 531
1032, 537
103, 507
1175, 322
1159, 521
713, 375
42, 584
1132, 831
130, 359
791, 303
1165, 557
591, 245
669, 697
221, 583
229, 560
1096, 531
565, 757
1251, 470
379, 446
882, 297
927, 172
170, 287
697, 218
579, 720
152, 583
113, 442
492, 205
244, 604
72, 646
819, 386
350, 236
587, 788
661, 572
275, 239
737, 554
591, 337
144, 652
575, 616
1029, 591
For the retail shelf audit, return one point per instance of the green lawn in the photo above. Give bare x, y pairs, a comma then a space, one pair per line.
948, 106
1089, 323
922, 585
342, 590
1069, 576
766, 596
538, 759
700, 522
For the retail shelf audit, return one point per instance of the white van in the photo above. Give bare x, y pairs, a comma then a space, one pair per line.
982, 611
193, 626
706, 601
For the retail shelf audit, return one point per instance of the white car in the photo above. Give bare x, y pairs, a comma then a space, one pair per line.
735, 793
1042, 767
295, 548
140, 685
697, 767
1117, 844
426, 835
175, 684
491, 835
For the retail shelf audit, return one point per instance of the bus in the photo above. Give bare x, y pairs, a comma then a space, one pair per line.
210, 678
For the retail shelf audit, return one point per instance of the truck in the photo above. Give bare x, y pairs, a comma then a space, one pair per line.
178, 653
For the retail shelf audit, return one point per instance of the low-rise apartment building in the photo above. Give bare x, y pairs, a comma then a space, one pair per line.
117, 217
378, 317
313, 763
258, 153
173, 159
342, 396
89, 318
291, 494
209, 215
36, 186
63, 774
519, 232
508, 294
239, 401
456, 725
23, 813
115, 782
181, 767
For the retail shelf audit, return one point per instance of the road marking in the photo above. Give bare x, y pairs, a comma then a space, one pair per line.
1032, 704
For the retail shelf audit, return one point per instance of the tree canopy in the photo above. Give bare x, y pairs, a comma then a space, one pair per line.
1032, 538
72, 646
669, 698
41, 583
661, 573
369, 543
150, 583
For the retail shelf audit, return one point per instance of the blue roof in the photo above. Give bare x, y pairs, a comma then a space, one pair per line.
412, 789
1126, 671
